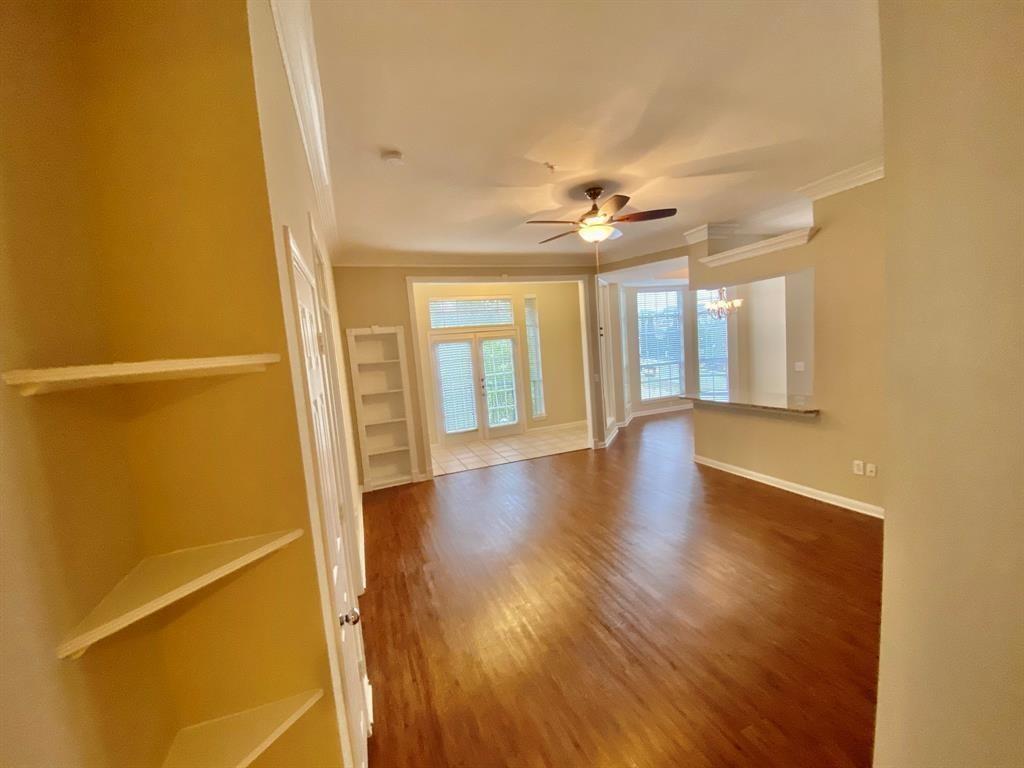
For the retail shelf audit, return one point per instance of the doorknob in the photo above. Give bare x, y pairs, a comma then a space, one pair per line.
352, 617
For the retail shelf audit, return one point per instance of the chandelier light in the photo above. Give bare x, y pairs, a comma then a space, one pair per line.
723, 306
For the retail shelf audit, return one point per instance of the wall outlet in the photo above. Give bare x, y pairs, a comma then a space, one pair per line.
858, 467
871, 470
798, 367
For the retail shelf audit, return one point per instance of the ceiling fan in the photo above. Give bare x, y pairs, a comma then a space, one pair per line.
595, 226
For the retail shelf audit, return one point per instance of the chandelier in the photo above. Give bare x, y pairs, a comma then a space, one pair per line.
722, 306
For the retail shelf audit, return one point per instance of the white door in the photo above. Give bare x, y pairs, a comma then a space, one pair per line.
323, 428
479, 390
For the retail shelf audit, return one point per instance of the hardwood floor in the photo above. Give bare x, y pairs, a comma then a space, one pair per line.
623, 607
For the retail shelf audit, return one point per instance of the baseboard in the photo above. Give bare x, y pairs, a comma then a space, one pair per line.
812, 493
563, 425
608, 440
683, 406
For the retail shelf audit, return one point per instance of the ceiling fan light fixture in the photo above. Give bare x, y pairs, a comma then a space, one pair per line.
598, 233
593, 220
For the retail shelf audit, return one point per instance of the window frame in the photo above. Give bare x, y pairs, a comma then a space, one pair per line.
680, 292
543, 414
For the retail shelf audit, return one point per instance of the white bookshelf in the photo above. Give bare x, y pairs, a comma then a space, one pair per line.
383, 400
160, 580
39, 381
235, 740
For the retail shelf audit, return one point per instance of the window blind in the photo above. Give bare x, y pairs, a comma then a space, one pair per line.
659, 316
464, 313
533, 355
455, 379
712, 349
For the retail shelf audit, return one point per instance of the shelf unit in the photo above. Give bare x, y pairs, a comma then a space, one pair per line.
235, 740
160, 580
39, 381
383, 400
157, 581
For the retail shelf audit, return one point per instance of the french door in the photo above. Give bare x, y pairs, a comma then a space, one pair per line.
478, 386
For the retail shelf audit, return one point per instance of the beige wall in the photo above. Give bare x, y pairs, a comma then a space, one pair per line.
850, 325
951, 686
153, 240
380, 296
561, 344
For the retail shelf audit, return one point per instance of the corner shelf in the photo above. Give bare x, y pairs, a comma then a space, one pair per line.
235, 740
382, 422
160, 580
39, 381
367, 363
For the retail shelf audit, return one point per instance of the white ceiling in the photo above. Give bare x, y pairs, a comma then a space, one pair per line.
720, 109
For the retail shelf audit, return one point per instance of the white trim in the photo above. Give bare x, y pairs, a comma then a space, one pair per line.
848, 178
563, 425
803, 490
639, 411
608, 440
294, 25
761, 247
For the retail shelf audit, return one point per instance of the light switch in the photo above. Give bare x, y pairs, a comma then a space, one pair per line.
858, 467
798, 367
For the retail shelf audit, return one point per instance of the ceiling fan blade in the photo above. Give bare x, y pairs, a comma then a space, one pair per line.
570, 232
613, 205
549, 221
660, 213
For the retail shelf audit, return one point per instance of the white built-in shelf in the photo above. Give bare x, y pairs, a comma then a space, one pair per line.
234, 741
397, 420
38, 381
380, 382
160, 580
392, 449
382, 392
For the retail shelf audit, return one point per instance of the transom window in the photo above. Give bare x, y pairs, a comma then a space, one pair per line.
659, 316
469, 313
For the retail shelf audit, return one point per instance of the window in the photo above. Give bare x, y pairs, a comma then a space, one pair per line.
712, 349
461, 313
533, 354
659, 316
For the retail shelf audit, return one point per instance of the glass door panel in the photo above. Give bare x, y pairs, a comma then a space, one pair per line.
456, 385
499, 380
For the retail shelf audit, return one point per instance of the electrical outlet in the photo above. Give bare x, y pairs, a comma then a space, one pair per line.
871, 470
858, 467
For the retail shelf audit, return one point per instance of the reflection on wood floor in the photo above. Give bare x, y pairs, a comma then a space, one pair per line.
619, 608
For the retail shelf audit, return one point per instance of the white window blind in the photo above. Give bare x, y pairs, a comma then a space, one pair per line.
455, 379
659, 316
712, 349
533, 354
464, 313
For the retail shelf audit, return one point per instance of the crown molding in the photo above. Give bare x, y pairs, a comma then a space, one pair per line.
851, 177
413, 259
761, 247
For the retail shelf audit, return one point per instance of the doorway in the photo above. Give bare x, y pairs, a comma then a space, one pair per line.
478, 386
504, 370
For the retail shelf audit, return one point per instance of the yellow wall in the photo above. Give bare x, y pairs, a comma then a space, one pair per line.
850, 328
380, 296
172, 254
561, 344
951, 687
70, 522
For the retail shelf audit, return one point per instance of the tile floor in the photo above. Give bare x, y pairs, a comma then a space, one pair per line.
529, 445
